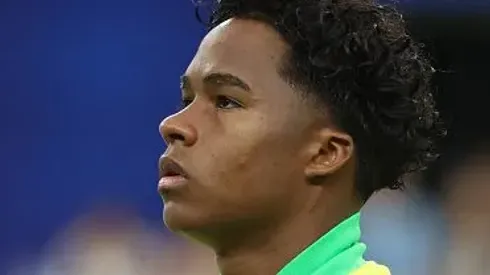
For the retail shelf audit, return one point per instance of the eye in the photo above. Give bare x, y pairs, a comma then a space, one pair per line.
224, 102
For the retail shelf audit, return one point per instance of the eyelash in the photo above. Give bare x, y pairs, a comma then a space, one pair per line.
220, 99
217, 100
184, 103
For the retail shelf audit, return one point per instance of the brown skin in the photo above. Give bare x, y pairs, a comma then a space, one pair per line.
254, 154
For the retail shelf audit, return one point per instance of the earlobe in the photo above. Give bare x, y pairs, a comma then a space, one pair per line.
333, 150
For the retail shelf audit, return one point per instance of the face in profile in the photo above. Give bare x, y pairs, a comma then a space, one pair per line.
242, 138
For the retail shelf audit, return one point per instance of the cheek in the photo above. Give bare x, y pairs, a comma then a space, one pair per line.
253, 164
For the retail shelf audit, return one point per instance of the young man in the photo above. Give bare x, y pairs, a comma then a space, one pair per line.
294, 113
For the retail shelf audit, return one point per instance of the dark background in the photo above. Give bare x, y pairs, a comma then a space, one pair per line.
84, 85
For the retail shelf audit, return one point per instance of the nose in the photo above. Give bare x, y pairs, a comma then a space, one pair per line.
175, 129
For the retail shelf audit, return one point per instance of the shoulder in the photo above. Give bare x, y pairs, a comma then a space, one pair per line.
371, 268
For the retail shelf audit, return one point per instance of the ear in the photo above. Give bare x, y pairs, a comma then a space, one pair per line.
331, 152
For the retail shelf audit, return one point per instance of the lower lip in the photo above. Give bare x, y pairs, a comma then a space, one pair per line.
171, 182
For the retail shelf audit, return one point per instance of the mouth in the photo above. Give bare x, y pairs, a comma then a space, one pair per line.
171, 175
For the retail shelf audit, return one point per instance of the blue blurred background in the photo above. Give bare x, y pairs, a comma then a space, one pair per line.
84, 85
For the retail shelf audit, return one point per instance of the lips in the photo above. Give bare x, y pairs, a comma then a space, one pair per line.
169, 167
171, 175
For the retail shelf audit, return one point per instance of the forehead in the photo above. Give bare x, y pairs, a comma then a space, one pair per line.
248, 48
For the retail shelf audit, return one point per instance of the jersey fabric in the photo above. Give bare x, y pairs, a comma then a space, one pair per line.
338, 252
371, 268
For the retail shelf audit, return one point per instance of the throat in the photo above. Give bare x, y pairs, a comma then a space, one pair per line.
267, 251
300, 247
265, 258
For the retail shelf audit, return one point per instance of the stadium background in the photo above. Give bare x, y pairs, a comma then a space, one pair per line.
84, 85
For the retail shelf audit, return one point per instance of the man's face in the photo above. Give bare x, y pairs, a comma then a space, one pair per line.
242, 137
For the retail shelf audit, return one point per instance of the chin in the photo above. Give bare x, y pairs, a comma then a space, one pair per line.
192, 224
179, 219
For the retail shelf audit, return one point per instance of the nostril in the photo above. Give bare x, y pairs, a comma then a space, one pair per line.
176, 136
176, 129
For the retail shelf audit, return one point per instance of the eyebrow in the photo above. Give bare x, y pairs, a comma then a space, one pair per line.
221, 79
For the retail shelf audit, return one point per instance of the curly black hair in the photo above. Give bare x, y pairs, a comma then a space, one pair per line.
356, 58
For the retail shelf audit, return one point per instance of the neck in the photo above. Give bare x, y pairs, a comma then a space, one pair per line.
268, 251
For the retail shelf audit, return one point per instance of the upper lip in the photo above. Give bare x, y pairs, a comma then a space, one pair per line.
168, 167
